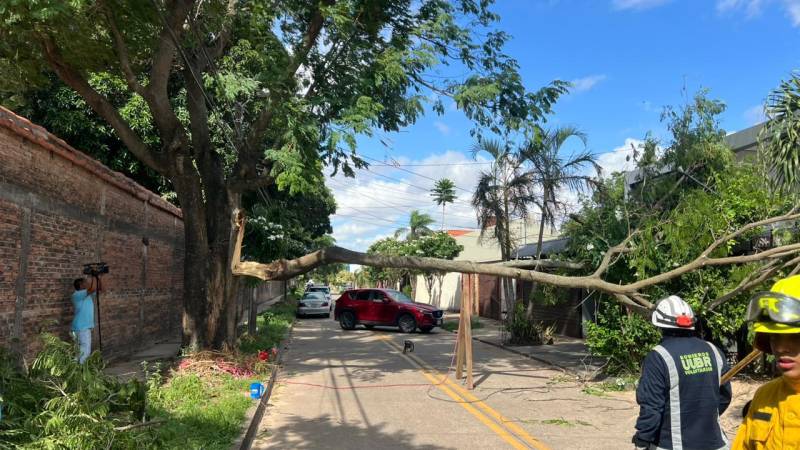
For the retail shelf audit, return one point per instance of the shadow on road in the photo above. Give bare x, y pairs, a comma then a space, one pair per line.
327, 433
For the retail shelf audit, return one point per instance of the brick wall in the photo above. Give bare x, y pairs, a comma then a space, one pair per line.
59, 209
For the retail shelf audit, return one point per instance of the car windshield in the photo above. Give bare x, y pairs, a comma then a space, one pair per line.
399, 296
313, 296
318, 289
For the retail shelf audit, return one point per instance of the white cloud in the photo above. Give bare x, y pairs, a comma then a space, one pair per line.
442, 127
753, 8
638, 4
793, 9
370, 207
619, 159
586, 83
755, 115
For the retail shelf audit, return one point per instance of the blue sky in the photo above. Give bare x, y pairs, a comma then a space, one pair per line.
627, 59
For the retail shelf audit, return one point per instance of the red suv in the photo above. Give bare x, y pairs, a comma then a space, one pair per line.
386, 307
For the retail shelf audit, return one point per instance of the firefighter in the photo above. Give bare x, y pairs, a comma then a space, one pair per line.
772, 420
679, 396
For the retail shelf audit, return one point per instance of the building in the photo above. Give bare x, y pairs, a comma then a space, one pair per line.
444, 291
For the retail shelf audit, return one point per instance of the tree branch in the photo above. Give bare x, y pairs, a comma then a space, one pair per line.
249, 184
791, 215
101, 105
544, 263
122, 51
222, 41
622, 247
264, 118
165, 53
624, 293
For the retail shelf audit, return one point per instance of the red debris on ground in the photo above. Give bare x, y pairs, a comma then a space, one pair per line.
237, 366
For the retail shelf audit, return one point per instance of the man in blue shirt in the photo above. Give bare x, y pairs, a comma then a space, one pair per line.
83, 322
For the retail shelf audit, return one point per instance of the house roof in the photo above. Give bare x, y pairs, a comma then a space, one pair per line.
550, 247
456, 233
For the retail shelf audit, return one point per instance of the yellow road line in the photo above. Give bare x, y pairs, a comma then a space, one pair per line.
510, 425
503, 433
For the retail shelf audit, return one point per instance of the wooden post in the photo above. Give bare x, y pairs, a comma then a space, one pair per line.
468, 336
460, 347
252, 313
475, 294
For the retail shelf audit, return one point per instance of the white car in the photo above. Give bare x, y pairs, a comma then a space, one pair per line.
314, 303
324, 290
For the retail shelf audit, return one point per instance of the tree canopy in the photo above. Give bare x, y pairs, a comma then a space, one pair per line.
234, 96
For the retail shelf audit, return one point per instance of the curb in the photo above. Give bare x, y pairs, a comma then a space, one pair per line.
527, 355
256, 412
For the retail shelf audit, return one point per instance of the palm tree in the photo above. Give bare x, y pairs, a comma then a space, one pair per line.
554, 173
444, 192
780, 136
418, 225
502, 192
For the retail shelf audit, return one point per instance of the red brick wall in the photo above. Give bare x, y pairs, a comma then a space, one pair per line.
60, 209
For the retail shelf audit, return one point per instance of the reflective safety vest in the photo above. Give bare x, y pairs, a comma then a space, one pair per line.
680, 398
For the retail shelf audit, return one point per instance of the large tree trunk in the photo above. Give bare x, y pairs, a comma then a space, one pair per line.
210, 289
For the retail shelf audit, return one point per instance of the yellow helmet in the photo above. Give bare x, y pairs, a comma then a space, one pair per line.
775, 312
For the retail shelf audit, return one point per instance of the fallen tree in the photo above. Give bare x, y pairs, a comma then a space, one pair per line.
628, 294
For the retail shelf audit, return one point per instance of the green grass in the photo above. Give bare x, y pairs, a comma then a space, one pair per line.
206, 411
272, 326
452, 325
566, 423
202, 412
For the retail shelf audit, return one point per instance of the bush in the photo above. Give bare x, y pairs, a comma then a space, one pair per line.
58, 403
624, 339
527, 332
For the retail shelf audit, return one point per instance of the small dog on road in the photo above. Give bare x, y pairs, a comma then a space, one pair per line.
408, 346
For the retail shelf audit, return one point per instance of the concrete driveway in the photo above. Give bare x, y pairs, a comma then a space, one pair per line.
357, 390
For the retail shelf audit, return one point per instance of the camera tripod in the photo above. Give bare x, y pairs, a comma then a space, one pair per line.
97, 295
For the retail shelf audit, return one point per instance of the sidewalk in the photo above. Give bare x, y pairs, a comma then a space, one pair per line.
163, 351
566, 353
132, 367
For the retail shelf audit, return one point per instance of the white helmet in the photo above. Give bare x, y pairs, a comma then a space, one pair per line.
673, 312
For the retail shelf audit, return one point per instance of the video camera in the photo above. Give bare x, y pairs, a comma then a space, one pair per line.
95, 269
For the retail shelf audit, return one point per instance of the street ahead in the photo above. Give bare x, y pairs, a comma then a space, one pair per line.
357, 390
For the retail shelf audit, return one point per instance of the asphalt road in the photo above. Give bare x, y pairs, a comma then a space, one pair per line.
357, 390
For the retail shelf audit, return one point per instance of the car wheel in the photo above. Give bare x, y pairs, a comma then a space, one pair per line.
347, 320
425, 329
407, 323
369, 327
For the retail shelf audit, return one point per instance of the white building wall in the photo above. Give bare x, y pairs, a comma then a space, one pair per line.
445, 292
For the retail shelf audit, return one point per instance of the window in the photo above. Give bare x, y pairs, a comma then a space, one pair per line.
400, 297
378, 295
362, 295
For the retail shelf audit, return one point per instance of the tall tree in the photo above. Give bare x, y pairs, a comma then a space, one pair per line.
242, 95
418, 226
554, 173
444, 192
780, 136
502, 192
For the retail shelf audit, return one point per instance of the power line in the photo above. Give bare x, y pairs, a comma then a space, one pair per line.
413, 173
472, 163
397, 180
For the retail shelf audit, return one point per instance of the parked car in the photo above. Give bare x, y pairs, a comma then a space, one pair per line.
324, 290
313, 303
386, 307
